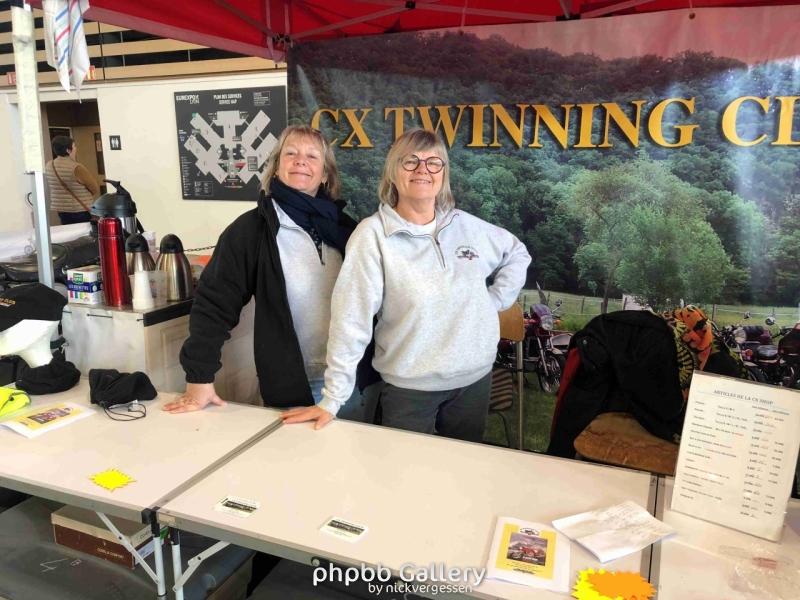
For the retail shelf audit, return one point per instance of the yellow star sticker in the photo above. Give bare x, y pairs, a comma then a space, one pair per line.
111, 479
605, 585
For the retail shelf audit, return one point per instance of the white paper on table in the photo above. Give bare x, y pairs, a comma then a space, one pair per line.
614, 532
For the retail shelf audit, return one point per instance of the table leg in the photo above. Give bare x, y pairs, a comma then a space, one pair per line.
177, 567
158, 575
158, 556
194, 563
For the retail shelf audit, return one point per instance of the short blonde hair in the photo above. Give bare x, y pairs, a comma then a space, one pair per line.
331, 184
411, 142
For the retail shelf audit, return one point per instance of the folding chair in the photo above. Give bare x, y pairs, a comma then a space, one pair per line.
501, 400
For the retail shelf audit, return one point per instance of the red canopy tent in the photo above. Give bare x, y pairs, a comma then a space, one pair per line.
265, 27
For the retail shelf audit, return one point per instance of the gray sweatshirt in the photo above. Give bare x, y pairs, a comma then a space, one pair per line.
309, 285
437, 325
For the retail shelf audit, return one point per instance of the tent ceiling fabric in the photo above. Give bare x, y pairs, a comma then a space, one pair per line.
266, 27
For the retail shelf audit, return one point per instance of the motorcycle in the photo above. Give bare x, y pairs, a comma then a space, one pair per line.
759, 348
543, 349
544, 357
736, 337
789, 356
766, 362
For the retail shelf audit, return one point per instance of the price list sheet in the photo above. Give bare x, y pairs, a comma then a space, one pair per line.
738, 454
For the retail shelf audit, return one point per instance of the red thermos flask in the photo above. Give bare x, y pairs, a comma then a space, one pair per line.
116, 285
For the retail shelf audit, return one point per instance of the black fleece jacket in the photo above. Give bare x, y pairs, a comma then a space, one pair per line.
246, 263
628, 362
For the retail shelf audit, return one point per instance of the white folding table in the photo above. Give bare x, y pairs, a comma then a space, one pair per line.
424, 499
163, 453
705, 561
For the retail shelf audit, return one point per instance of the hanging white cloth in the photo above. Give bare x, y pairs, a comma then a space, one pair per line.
65, 42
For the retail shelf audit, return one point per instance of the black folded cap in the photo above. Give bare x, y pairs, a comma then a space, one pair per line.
31, 301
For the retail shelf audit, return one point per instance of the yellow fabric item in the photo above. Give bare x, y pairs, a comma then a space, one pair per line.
11, 400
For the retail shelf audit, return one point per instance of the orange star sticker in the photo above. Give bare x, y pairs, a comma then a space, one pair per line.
605, 585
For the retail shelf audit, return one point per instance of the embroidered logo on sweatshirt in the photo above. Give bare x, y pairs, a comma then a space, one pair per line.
467, 252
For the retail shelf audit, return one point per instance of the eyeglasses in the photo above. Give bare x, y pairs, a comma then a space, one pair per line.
434, 164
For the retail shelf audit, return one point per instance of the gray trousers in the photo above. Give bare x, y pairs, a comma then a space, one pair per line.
361, 406
460, 413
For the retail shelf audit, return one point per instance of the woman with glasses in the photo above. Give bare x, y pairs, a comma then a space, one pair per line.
435, 277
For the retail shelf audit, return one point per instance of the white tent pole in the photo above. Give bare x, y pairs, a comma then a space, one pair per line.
24, 41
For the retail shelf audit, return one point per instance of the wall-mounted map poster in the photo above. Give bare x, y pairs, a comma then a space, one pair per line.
225, 138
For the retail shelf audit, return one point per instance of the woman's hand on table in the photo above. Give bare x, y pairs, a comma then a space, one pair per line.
196, 397
308, 413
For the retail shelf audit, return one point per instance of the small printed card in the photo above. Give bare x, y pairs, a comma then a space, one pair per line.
529, 554
240, 507
351, 532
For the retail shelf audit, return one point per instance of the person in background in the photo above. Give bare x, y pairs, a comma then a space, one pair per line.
72, 187
286, 253
436, 277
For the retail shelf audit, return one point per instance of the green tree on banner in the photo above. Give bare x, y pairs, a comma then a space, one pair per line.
787, 254
645, 232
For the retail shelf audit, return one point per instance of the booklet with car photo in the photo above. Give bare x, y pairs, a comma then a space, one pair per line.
33, 423
529, 554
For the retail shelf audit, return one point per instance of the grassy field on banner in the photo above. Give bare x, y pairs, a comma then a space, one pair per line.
577, 310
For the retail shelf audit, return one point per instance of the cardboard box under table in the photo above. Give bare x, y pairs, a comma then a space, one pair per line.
83, 530
34, 567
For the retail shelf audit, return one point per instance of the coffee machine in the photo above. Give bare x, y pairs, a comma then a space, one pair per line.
118, 204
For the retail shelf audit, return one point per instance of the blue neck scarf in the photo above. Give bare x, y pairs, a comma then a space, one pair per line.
319, 213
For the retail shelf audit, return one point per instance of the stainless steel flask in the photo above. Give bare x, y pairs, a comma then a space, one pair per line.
175, 265
137, 254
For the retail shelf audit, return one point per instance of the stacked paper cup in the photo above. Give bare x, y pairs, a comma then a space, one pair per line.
142, 294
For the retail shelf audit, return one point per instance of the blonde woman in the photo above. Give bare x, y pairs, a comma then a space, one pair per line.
286, 253
422, 267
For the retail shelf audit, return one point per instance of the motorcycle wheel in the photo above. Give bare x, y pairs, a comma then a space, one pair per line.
756, 374
551, 381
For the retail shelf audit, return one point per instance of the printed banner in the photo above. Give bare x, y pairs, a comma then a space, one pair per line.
647, 160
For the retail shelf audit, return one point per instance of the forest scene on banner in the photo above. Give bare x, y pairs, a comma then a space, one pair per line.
675, 179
